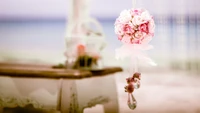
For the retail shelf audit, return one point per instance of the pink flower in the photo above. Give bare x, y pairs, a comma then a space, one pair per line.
81, 49
120, 37
125, 16
144, 28
128, 28
135, 12
126, 39
146, 16
139, 35
119, 29
135, 41
141, 17
137, 20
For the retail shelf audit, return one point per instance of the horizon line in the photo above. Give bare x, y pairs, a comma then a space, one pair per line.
27, 19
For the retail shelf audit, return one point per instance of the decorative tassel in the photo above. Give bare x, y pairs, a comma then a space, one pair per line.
133, 83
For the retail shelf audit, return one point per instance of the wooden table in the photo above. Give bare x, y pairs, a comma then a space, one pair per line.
64, 90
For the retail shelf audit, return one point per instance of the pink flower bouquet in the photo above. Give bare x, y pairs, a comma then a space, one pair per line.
134, 26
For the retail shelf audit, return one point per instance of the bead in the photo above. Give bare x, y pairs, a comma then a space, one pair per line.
132, 103
130, 88
137, 75
129, 80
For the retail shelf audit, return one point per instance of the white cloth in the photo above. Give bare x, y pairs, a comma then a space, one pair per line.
135, 51
21, 92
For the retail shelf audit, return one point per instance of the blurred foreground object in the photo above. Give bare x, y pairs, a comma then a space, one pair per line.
66, 90
84, 30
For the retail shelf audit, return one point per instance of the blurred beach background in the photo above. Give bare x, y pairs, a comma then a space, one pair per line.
33, 31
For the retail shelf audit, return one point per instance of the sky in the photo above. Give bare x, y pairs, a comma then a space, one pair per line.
99, 8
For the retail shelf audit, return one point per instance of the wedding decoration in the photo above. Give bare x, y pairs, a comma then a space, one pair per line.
81, 56
85, 37
134, 26
86, 60
135, 29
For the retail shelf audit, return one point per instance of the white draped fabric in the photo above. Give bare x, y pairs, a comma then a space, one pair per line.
41, 93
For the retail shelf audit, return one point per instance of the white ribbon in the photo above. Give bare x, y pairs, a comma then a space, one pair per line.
134, 51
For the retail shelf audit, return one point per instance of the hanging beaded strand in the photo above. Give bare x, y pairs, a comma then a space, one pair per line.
133, 80
133, 83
